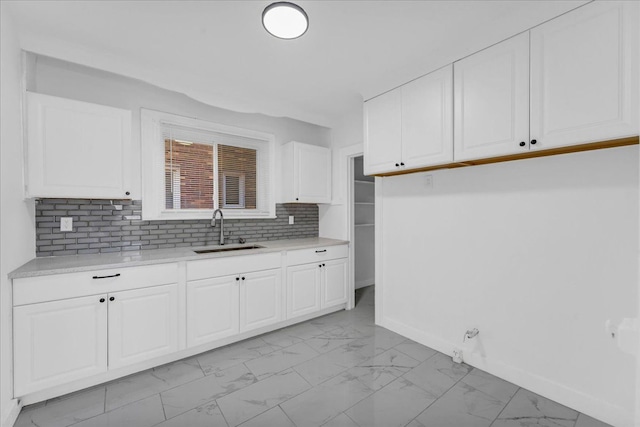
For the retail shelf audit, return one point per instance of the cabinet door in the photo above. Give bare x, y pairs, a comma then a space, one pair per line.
303, 289
143, 324
383, 133
58, 342
77, 149
491, 93
212, 309
260, 299
427, 120
334, 282
584, 75
312, 179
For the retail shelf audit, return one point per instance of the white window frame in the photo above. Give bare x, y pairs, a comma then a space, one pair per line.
153, 167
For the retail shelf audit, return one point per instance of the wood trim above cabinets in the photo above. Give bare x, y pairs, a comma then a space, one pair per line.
622, 142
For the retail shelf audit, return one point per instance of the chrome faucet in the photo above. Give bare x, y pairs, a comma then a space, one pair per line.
213, 224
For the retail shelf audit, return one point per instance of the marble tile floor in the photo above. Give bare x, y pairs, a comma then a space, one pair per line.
337, 370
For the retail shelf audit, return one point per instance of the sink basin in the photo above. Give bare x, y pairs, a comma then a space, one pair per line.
226, 249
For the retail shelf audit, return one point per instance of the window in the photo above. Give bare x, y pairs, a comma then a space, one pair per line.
191, 167
233, 190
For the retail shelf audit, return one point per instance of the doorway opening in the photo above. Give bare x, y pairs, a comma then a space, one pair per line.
363, 208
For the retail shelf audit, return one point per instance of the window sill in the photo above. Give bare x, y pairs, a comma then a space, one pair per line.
180, 216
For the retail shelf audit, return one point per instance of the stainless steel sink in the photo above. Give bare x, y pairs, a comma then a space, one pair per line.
226, 249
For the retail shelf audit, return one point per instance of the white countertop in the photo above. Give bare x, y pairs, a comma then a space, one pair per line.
75, 263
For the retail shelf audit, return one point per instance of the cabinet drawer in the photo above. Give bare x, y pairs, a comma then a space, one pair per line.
216, 267
304, 256
60, 286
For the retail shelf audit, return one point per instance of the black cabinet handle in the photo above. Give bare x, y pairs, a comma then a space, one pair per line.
112, 298
106, 277
127, 193
401, 164
320, 265
297, 198
237, 278
101, 300
397, 164
323, 265
320, 251
534, 142
243, 278
522, 144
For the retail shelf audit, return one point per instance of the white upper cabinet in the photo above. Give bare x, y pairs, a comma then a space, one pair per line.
383, 133
77, 149
584, 75
410, 127
306, 173
427, 120
491, 90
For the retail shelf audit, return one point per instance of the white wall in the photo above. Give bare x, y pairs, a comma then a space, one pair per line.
537, 254
346, 139
60, 78
17, 230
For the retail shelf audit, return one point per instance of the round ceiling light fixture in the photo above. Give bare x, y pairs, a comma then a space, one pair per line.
285, 20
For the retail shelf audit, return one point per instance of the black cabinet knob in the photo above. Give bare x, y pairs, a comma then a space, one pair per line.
297, 198
237, 278
397, 164
522, 144
112, 298
101, 299
320, 265
243, 278
401, 164
534, 142
323, 265
127, 193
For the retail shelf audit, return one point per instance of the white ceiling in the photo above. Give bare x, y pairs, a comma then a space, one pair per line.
217, 51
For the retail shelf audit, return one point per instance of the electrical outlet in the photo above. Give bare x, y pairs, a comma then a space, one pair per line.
428, 181
66, 224
291, 219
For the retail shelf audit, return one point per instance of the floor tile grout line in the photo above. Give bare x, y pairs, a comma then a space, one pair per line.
222, 412
437, 398
505, 406
286, 415
354, 421
164, 412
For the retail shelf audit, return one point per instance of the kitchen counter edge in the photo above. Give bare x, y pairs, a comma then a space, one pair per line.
77, 263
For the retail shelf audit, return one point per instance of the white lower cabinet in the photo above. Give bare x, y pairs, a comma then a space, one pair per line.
303, 289
146, 313
220, 307
59, 341
143, 324
260, 299
62, 341
334, 283
319, 284
212, 309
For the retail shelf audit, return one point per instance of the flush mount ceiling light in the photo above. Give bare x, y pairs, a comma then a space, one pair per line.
285, 20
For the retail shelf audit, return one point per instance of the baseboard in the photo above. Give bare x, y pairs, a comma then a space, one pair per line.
11, 414
587, 404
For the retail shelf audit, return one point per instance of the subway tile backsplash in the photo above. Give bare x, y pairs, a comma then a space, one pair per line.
99, 228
